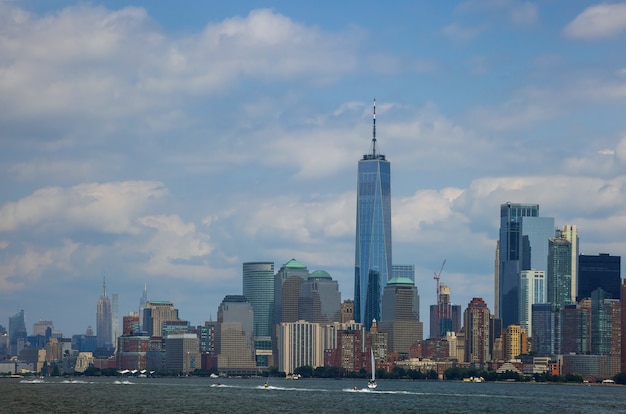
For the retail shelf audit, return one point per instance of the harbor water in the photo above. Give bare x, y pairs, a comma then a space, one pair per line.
204, 395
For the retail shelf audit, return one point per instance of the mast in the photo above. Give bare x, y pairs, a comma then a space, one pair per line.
374, 131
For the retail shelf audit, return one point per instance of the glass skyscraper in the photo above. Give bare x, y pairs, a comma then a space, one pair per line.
373, 233
510, 260
258, 288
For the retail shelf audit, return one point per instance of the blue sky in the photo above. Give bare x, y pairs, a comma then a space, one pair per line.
168, 145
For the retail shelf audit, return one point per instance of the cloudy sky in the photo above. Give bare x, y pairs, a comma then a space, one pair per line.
168, 145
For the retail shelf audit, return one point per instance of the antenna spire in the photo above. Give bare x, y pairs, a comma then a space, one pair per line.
374, 131
104, 286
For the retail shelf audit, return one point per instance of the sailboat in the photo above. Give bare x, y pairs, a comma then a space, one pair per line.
372, 382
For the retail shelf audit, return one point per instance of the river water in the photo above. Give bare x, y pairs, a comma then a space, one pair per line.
203, 395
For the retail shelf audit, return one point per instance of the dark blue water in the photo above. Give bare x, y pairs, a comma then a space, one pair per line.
199, 395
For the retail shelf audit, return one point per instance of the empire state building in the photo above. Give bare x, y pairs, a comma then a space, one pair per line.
104, 320
373, 233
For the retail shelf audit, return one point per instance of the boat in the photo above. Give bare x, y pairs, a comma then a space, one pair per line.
371, 384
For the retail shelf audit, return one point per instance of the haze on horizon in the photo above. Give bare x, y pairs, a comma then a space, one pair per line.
166, 146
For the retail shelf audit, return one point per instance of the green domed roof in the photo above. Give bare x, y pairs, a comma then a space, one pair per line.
294, 264
400, 281
320, 274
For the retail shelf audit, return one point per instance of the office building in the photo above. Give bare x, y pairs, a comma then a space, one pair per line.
155, 313
559, 275
400, 315
182, 353
373, 233
17, 333
320, 299
300, 344
532, 291
533, 244
104, 320
258, 288
605, 324
570, 233
405, 271
287, 284
234, 336
514, 342
509, 256
347, 311
601, 271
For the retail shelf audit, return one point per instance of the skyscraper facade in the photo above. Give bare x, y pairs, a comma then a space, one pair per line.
400, 315
258, 288
509, 255
287, 283
104, 320
601, 271
559, 275
234, 342
444, 316
570, 233
373, 233
155, 313
17, 332
532, 291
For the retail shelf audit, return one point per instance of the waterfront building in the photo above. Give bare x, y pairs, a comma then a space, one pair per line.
476, 324
601, 271
532, 291
104, 320
574, 329
234, 336
373, 233
299, 343
155, 313
320, 299
130, 324
514, 342
400, 316
182, 353
605, 324
132, 352
258, 288
509, 258
543, 329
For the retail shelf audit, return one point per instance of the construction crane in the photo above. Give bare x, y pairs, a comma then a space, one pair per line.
437, 276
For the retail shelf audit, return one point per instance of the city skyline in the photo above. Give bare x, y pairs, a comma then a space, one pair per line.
165, 147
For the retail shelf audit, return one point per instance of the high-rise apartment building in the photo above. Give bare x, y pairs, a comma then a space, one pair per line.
559, 274
476, 324
623, 323
510, 261
104, 320
514, 342
532, 291
300, 344
601, 271
570, 233
182, 353
258, 288
320, 299
373, 233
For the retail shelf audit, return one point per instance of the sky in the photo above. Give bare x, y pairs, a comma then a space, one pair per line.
163, 145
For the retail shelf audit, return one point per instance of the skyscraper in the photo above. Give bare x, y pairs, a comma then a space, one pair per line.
532, 291
510, 238
320, 299
258, 288
373, 233
234, 342
17, 332
104, 319
601, 271
444, 316
559, 275
570, 233
476, 325
400, 315
287, 283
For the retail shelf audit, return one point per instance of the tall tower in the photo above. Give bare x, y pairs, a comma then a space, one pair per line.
400, 314
258, 288
570, 233
559, 275
476, 324
142, 305
104, 319
510, 261
373, 233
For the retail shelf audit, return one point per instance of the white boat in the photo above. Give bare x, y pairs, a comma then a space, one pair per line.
372, 382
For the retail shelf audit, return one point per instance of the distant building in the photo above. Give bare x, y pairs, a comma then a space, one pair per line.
347, 311
476, 318
444, 316
104, 324
511, 215
570, 233
182, 353
605, 324
544, 330
17, 333
258, 288
400, 316
373, 233
130, 324
559, 275
514, 342
234, 336
320, 299
574, 330
601, 271
155, 313
39, 328
299, 343
532, 291
287, 284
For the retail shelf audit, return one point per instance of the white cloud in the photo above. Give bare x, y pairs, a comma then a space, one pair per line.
600, 21
106, 207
